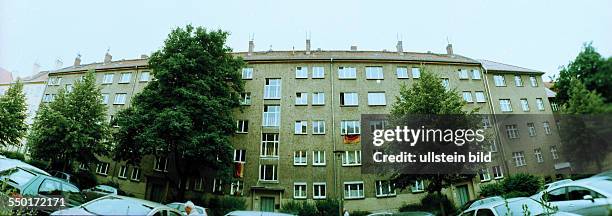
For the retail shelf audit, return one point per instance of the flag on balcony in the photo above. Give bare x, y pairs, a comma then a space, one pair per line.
352, 138
239, 169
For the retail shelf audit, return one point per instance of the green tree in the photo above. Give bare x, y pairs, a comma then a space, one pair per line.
428, 96
12, 116
73, 127
185, 115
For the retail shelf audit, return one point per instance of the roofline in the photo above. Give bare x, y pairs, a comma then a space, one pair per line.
527, 70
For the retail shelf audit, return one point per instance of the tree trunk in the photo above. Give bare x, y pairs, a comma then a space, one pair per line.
441, 204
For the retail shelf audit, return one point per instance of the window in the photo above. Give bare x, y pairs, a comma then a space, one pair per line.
499, 80
318, 158
512, 131
242, 126
534, 81
519, 158
145, 76
217, 185
271, 116
546, 126
318, 72
108, 78
540, 104
301, 72
486, 123
68, 88
197, 184
518, 82
494, 146
524, 104
385, 188
245, 98
268, 173
318, 98
300, 158
538, 155
531, 129
272, 89
104, 98
135, 174
402, 72
480, 97
374, 73
484, 175
416, 72
161, 164
418, 186
50, 187
122, 172
247, 73
319, 190
553, 152
349, 99
318, 127
102, 168
376, 99
351, 158
47, 98
239, 155
378, 125
120, 98
467, 97
301, 127
269, 145
301, 98
505, 105
299, 190
463, 74
497, 172
446, 83
55, 81
476, 74
83, 166
353, 190
347, 73
125, 78
350, 127
236, 188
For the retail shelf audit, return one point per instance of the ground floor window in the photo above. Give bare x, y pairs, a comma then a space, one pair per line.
353, 190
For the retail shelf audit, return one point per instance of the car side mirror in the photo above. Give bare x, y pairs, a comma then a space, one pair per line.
588, 197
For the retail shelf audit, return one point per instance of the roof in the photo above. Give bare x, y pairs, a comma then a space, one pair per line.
550, 93
5, 76
101, 65
497, 66
354, 55
38, 77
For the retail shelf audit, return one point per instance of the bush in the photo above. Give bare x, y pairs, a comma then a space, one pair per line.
301, 208
431, 203
85, 179
40, 164
491, 189
360, 213
522, 184
328, 207
13, 155
225, 204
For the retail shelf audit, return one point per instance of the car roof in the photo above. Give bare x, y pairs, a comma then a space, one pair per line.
144, 202
255, 213
496, 203
8, 163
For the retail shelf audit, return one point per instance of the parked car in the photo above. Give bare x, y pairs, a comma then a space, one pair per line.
412, 213
513, 207
26, 183
62, 175
256, 213
100, 191
606, 174
8, 163
120, 205
556, 183
477, 202
181, 207
589, 196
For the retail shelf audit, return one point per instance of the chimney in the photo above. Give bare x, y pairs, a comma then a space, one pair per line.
449, 49
400, 48
58, 64
251, 47
107, 57
353, 48
77, 60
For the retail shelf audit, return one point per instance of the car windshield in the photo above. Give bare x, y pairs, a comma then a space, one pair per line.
119, 207
522, 207
17, 176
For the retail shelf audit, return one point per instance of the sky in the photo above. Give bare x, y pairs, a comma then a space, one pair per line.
540, 35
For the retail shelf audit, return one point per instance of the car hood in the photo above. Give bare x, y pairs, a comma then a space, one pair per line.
72, 211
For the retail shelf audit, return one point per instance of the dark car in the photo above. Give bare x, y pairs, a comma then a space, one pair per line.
25, 183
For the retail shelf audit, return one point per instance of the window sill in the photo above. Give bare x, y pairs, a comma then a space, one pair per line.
300, 164
319, 165
123, 83
349, 105
241, 132
418, 191
375, 79
354, 198
348, 78
300, 134
386, 196
245, 104
403, 78
318, 78
318, 104
496, 178
269, 181
351, 165
301, 104
377, 105
272, 98
486, 180
120, 177
319, 198
318, 133
300, 198
135, 180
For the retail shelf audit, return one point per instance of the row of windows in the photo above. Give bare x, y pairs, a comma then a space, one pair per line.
485, 175
371, 72
347, 127
519, 157
352, 190
512, 131
506, 105
500, 81
102, 169
120, 98
108, 78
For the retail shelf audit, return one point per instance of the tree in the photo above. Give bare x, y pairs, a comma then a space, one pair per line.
12, 116
185, 115
594, 71
429, 96
73, 127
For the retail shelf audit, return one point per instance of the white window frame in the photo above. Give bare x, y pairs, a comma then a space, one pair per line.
519, 159
269, 145
499, 80
262, 173
125, 77
316, 190
355, 125
157, 164
480, 97
198, 183
505, 105
105, 98
446, 83
135, 176
554, 153
318, 72
237, 188
247, 73
525, 105
357, 157
540, 104
485, 175
120, 99
518, 81
300, 158
108, 78
245, 98
498, 173
402, 73
301, 72
531, 129
145, 76
318, 98
379, 184
357, 186
347, 73
272, 88
302, 192
349, 99
416, 72
374, 72
512, 131
301, 127
463, 74
318, 158
538, 155
102, 168
476, 74
546, 126
122, 172
240, 155
494, 146
418, 186
242, 126
301, 98
271, 116
318, 127
533, 81
467, 97
377, 99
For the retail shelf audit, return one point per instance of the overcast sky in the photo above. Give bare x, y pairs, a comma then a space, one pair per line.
540, 35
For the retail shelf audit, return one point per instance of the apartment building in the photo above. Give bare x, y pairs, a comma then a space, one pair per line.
302, 109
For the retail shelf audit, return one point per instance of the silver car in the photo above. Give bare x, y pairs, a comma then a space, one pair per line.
513, 207
590, 196
256, 213
181, 207
120, 205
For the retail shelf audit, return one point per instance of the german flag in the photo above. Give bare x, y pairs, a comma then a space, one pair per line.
352, 139
239, 169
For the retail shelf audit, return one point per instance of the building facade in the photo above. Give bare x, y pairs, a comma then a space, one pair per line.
300, 107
